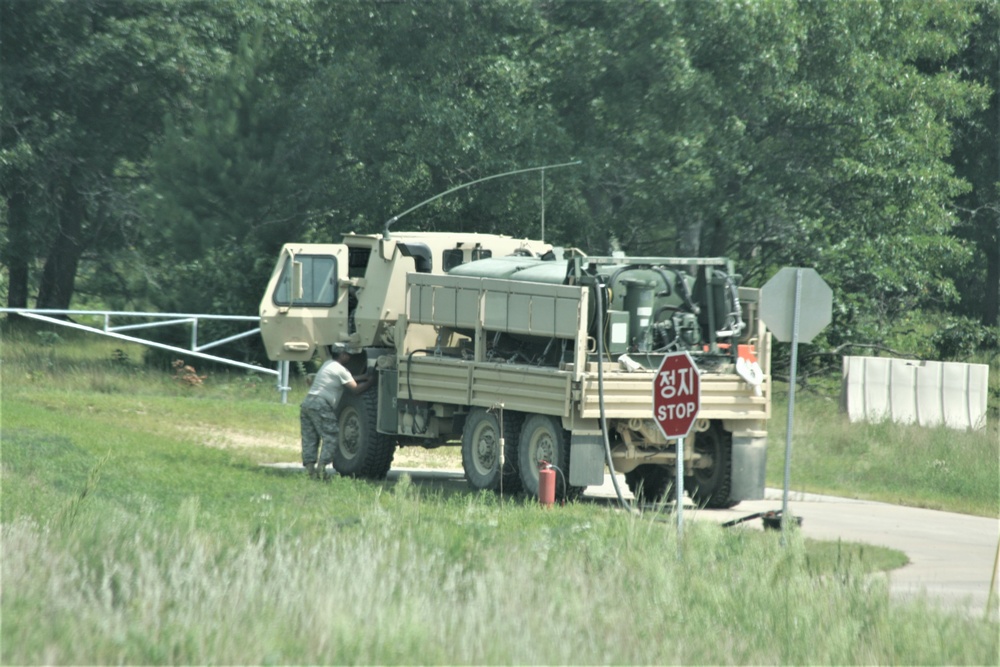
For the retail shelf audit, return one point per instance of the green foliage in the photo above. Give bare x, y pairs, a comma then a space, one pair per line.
150, 146
960, 338
85, 89
229, 177
979, 208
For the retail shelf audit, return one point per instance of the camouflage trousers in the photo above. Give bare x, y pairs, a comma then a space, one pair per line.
319, 422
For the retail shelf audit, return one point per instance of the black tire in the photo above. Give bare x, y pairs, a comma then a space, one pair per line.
544, 439
481, 450
651, 483
361, 450
710, 487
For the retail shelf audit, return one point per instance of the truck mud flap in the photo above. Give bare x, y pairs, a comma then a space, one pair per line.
749, 467
586, 460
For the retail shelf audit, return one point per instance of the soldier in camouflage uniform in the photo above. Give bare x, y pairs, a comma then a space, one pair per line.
318, 412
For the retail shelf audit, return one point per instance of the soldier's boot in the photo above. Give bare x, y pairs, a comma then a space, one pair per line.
311, 469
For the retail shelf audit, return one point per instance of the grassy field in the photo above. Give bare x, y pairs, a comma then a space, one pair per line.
139, 527
937, 468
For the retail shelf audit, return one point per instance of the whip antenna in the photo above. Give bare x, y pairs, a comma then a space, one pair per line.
391, 221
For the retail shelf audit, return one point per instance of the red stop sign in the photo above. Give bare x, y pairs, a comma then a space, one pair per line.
676, 395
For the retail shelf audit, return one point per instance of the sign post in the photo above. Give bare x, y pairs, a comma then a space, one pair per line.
676, 401
796, 304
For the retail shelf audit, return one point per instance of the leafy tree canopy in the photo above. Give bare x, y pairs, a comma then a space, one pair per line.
149, 145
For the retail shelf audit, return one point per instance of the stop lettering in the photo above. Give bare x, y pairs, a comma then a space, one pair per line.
676, 395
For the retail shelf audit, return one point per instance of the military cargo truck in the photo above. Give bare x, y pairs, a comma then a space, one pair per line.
525, 355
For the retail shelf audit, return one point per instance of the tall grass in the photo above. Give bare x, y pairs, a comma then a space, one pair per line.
402, 578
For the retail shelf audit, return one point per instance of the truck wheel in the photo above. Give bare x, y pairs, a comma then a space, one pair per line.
481, 450
709, 487
361, 450
651, 483
544, 439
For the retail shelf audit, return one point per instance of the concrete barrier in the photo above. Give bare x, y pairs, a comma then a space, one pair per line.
928, 393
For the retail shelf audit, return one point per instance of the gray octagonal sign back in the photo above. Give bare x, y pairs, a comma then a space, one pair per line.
777, 304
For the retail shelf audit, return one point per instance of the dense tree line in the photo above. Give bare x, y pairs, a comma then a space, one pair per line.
156, 154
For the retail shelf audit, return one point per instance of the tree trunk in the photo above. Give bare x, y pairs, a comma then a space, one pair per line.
689, 235
719, 245
991, 303
15, 255
59, 273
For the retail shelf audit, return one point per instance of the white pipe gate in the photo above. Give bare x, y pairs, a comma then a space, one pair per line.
196, 350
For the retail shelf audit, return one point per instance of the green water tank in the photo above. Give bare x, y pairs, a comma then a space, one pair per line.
495, 267
551, 273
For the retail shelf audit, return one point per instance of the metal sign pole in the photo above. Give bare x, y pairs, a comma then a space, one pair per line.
284, 373
676, 403
680, 494
791, 403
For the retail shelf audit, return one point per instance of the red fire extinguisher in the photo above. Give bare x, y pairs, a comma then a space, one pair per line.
546, 484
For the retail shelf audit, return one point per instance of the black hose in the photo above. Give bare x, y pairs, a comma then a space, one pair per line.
600, 397
685, 293
409, 390
409, 357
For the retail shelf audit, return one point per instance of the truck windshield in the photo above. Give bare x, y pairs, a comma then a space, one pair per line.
319, 281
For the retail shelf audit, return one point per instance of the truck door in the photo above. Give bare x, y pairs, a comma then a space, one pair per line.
306, 302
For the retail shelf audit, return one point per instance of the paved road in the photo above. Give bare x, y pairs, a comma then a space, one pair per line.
951, 555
